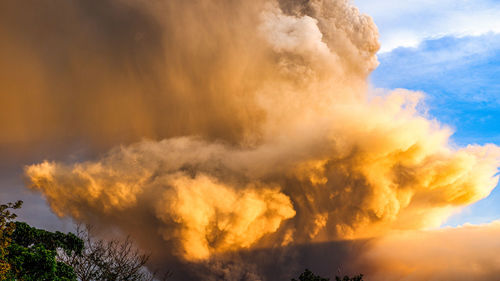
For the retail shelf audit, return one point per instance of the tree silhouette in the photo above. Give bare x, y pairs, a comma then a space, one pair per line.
347, 278
109, 260
309, 276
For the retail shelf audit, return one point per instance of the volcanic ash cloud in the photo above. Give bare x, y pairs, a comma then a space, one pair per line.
467, 252
273, 139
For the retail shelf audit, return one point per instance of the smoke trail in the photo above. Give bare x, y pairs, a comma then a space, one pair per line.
271, 137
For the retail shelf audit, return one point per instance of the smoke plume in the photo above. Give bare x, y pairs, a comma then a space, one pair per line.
464, 253
237, 127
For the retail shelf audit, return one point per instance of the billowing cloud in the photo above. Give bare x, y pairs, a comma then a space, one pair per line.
260, 131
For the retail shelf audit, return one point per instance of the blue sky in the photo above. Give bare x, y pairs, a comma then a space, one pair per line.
451, 51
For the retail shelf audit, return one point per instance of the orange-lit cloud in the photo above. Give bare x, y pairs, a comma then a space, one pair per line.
261, 129
465, 253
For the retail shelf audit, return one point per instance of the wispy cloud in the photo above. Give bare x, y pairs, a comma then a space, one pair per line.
407, 23
470, 62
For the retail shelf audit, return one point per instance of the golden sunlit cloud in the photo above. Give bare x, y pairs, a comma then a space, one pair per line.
261, 130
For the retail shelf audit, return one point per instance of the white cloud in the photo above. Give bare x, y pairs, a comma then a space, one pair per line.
407, 23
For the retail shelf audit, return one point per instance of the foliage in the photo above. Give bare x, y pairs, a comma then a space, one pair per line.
7, 227
33, 254
309, 276
26, 236
29, 254
37, 263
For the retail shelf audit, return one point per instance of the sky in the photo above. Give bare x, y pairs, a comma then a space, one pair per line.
248, 140
450, 50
